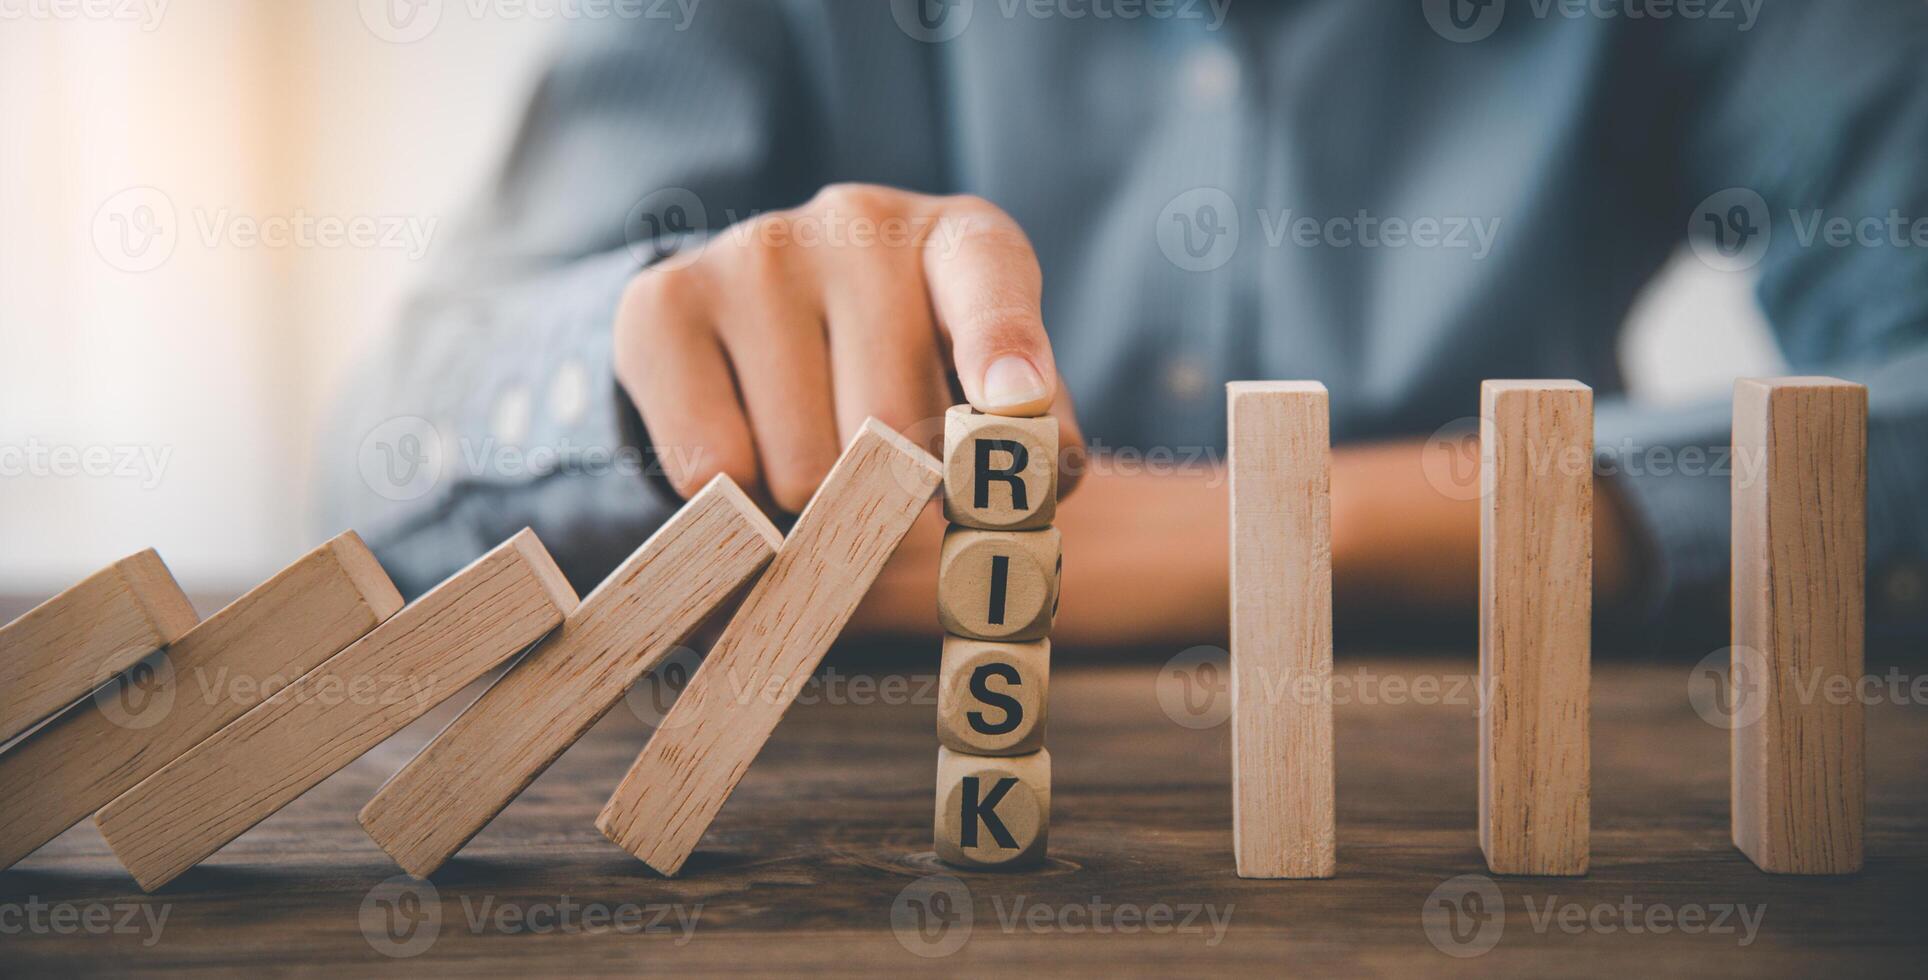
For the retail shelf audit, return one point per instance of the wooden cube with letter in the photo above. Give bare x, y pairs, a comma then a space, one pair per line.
992, 697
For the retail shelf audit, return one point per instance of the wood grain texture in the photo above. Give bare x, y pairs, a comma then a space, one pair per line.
992, 698
1536, 612
806, 868
776, 639
999, 585
1000, 472
1799, 604
992, 812
696, 561
1281, 629
103, 746
307, 731
80, 639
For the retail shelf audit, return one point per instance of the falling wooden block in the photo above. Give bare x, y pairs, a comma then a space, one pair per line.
999, 585
991, 697
78, 640
330, 716
692, 564
1000, 473
229, 663
1283, 822
1536, 610
770, 647
1800, 543
993, 812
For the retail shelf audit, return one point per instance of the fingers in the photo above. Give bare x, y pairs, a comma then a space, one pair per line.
986, 289
885, 361
672, 367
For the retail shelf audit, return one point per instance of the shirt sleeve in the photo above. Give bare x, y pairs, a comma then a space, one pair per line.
492, 405
1802, 165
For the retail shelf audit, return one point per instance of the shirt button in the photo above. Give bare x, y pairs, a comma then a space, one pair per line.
569, 394
1185, 379
1904, 588
509, 420
1212, 74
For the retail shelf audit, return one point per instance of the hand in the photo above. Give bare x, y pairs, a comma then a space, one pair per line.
761, 354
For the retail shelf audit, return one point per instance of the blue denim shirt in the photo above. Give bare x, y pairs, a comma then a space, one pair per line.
1398, 199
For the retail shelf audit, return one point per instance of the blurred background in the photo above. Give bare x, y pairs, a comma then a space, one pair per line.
208, 208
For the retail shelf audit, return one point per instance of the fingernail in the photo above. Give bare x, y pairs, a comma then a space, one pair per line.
1013, 382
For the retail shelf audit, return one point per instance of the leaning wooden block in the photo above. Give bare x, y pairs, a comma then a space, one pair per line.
81, 638
773, 643
103, 746
333, 714
1283, 814
1000, 473
1800, 543
1536, 610
692, 564
991, 697
999, 585
993, 812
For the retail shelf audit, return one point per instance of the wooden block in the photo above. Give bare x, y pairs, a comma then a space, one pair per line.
991, 697
999, 585
103, 746
993, 812
1283, 823
78, 640
1536, 610
695, 562
1800, 546
330, 716
770, 647
1000, 473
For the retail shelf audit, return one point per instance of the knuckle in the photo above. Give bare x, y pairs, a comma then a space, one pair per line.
689, 472
852, 198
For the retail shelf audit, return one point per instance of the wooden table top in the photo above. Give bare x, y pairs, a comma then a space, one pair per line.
821, 860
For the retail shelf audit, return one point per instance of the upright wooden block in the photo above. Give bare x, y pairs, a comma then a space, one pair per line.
694, 563
999, 585
1283, 823
103, 746
330, 716
83, 637
991, 697
1000, 473
776, 639
1800, 545
1536, 609
993, 812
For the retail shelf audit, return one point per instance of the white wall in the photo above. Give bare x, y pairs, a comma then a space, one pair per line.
213, 365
